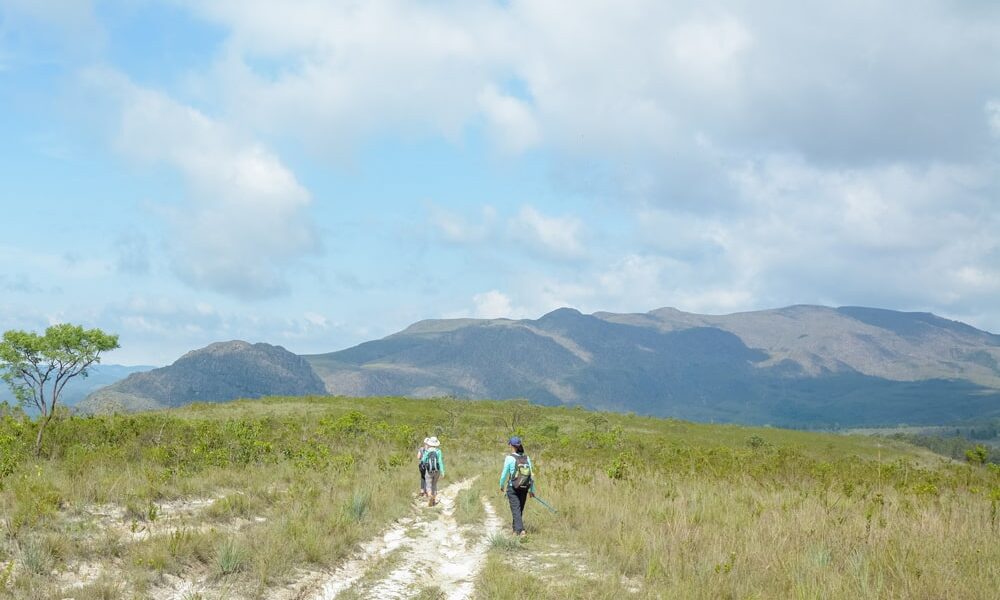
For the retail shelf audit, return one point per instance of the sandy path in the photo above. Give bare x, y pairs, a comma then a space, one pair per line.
433, 553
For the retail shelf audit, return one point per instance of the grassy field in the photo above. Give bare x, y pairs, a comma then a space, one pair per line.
246, 499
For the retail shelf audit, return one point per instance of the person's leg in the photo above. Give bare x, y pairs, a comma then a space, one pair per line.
522, 497
434, 487
423, 481
515, 510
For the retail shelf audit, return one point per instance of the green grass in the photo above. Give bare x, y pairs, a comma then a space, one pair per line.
664, 507
469, 506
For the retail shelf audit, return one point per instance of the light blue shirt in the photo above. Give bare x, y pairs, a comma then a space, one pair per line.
509, 464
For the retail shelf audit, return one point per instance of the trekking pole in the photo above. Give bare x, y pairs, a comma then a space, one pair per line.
546, 504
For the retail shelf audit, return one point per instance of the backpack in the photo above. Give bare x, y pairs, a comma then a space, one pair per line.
521, 479
432, 462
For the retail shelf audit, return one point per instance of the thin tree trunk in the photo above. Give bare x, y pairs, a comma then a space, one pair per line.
41, 429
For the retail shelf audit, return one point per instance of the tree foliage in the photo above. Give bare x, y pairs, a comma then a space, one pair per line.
38, 367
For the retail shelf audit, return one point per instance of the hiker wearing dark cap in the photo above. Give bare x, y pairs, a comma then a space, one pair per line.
518, 482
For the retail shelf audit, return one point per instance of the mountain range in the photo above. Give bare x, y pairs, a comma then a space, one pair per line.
78, 388
800, 366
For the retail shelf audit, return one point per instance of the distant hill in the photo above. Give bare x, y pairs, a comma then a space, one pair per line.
221, 371
809, 366
79, 387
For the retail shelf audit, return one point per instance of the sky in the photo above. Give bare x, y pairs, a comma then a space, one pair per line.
317, 174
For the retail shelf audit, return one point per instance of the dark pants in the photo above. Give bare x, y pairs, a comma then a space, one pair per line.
423, 477
518, 500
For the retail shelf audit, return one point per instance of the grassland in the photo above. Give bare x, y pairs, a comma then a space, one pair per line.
250, 499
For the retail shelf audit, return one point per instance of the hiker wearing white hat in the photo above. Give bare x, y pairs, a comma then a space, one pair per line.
433, 467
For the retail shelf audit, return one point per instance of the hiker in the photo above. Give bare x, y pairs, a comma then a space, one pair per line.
433, 463
421, 466
517, 480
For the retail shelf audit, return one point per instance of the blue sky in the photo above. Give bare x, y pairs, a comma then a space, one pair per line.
316, 174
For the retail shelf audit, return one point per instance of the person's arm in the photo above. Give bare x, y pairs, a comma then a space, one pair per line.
531, 490
507, 464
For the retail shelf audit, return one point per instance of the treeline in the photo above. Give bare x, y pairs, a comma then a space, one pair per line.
956, 446
981, 430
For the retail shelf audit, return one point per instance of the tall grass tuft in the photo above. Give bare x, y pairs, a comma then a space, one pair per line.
503, 543
230, 557
358, 506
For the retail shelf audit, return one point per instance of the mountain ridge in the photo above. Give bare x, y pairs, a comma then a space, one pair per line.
801, 365
667, 361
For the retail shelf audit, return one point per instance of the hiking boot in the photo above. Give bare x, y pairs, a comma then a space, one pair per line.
432, 501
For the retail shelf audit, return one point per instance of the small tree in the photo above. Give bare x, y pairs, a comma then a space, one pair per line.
515, 414
597, 420
37, 367
977, 455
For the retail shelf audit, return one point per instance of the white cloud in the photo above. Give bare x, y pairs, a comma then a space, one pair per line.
316, 320
246, 219
349, 71
511, 123
557, 237
775, 152
492, 305
707, 51
781, 160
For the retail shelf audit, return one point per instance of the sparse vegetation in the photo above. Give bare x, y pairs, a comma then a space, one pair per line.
241, 495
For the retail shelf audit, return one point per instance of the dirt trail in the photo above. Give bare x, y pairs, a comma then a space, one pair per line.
431, 552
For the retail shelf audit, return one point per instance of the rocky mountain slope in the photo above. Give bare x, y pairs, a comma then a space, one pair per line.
221, 371
799, 366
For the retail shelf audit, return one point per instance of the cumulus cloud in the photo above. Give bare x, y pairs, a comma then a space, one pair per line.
349, 71
511, 123
765, 158
554, 236
768, 152
492, 305
557, 238
245, 220
896, 235
641, 84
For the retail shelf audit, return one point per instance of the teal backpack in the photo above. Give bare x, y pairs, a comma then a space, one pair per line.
432, 462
